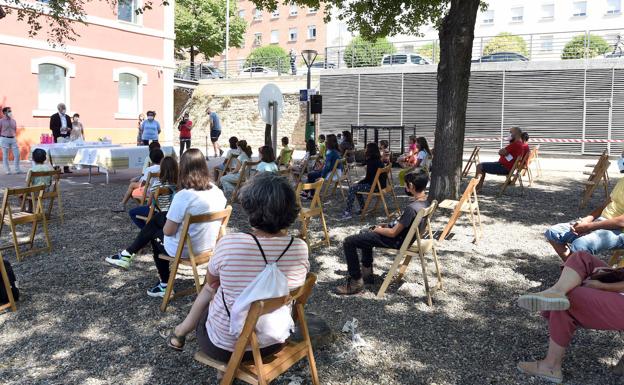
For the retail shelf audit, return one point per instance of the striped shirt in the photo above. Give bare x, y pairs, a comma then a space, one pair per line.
236, 262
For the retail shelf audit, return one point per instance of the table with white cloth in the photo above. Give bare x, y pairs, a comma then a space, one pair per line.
115, 158
63, 154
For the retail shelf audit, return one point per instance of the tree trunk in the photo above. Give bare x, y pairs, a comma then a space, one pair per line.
192, 67
456, 36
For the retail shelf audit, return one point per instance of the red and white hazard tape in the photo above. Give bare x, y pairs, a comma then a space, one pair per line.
551, 140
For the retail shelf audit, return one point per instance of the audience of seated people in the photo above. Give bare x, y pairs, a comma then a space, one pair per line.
420, 162
229, 181
408, 159
270, 204
232, 151
286, 153
196, 196
508, 156
267, 160
322, 147
347, 145
331, 157
386, 156
135, 189
309, 158
169, 179
373, 163
390, 236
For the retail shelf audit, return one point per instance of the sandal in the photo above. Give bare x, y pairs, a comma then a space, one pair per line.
169, 335
534, 369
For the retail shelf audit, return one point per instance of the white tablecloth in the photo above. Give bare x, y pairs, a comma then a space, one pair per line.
111, 158
63, 154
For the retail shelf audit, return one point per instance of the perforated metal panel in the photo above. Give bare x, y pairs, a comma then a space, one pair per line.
340, 103
483, 113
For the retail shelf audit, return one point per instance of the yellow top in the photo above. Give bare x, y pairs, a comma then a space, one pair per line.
286, 155
616, 207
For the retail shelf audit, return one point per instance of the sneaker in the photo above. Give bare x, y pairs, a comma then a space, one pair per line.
157, 291
9, 172
346, 215
544, 301
120, 208
120, 260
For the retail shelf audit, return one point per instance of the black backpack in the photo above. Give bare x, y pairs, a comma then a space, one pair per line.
4, 298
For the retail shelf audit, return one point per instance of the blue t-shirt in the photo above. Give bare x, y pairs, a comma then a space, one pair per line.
216, 123
150, 129
330, 158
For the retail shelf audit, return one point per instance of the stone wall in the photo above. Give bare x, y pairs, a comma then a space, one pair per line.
240, 117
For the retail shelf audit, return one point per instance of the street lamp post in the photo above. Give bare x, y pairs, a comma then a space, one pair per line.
309, 55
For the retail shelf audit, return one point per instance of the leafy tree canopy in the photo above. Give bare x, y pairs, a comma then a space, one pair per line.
427, 51
271, 56
575, 48
364, 53
506, 42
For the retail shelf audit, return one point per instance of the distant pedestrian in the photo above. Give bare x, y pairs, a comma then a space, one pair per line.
150, 128
8, 140
215, 131
293, 59
140, 129
185, 127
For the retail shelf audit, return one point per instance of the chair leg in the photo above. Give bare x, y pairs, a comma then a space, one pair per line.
15, 241
33, 232
383, 202
423, 264
255, 349
46, 235
304, 230
389, 276
403, 268
437, 266
474, 226
369, 197
450, 224
170, 283
304, 330
325, 228
198, 286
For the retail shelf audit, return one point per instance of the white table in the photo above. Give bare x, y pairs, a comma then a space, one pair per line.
63, 154
114, 158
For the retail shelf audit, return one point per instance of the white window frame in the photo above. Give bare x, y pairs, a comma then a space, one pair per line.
257, 40
142, 76
312, 10
138, 17
257, 14
614, 7
543, 13
293, 11
488, 17
310, 27
275, 14
274, 36
290, 34
579, 13
70, 72
516, 18
548, 42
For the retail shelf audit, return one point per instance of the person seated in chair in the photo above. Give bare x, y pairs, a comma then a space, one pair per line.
373, 163
233, 151
600, 230
578, 299
271, 206
267, 160
508, 156
135, 189
331, 157
286, 153
386, 236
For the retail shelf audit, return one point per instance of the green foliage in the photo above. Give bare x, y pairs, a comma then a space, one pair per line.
365, 53
575, 48
271, 56
506, 42
201, 24
427, 51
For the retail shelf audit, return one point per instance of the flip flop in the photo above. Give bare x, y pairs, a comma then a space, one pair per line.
169, 334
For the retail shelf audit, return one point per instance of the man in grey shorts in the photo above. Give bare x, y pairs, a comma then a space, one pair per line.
215, 131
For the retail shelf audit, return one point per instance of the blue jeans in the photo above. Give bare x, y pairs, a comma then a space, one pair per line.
142, 211
594, 242
494, 168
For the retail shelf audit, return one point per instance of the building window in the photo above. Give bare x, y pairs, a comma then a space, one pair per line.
257, 39
52, 86
128, 94
312, 10
579, 8
126, 11
311, 32
488, 17
241, 13
546, 43
548, 11
517, 14
613, 7
294, 10
292, 34
257, 14
275, 14
275, 36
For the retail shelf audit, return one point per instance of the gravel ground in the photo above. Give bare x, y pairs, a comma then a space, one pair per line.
81, 321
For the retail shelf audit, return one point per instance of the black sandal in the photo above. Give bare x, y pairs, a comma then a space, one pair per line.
169, 334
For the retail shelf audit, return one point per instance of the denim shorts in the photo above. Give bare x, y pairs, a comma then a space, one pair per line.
594, 242
494, 168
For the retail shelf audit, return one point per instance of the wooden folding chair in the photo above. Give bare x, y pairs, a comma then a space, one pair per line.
193, 259
148, 182
228, 166
376, 191
4, 277
244, 174
335, 179
418, 249
352, 165
153, 202
616, 258
472, 160
514, 175
314, 210
598, 176
298, 175
536, 161
526, 169
50, 193
468, 203
263, 370
13, 219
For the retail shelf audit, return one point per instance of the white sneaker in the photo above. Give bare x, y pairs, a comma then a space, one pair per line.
9, 172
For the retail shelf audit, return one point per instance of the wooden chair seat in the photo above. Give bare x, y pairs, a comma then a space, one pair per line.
22, 217
200, 259
589, 183
452, 205
425, 246
51, 193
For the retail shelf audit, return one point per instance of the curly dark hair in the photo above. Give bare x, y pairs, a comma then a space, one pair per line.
270, 202
194, 171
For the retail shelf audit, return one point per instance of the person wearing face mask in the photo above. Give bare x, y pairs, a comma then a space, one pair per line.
508, 156
150, 128
60, 125
601, 230
77, 131
388, 236
8, 141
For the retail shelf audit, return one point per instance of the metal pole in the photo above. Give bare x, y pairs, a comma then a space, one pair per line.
273, 107
227, 35
309, 65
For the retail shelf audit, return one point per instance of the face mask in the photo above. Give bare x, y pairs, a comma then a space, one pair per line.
150, 118
409, 193
76, 120
510, 137
9, 114
62, 112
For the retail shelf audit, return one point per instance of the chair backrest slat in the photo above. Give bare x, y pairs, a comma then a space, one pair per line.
414, 231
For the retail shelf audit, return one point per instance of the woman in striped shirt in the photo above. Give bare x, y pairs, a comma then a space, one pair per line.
270, 203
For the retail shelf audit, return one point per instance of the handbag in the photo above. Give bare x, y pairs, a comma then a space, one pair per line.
609, 275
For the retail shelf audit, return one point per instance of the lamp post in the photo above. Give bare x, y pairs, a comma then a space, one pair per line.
309, 55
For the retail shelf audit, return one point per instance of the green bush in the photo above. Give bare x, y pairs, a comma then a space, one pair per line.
363, 53
271, 56
575, 48
506, 42
427, 50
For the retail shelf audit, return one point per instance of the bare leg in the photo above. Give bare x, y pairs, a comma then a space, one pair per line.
548, 368
128, 194
554, 357
568, 280
561, 249
192, 318
477, 173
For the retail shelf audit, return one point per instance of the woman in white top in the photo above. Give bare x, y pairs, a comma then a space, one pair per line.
196, 195
271, 205
228, 182
77, 131
267, 160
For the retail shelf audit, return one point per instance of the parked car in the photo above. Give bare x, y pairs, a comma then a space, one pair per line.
316, 67
210, 72
257, 71
403, 59
500, 57
614, 55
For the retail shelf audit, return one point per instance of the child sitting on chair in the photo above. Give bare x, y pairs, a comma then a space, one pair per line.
386, 236
267, 160
39, 157
135, 188
286, 154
